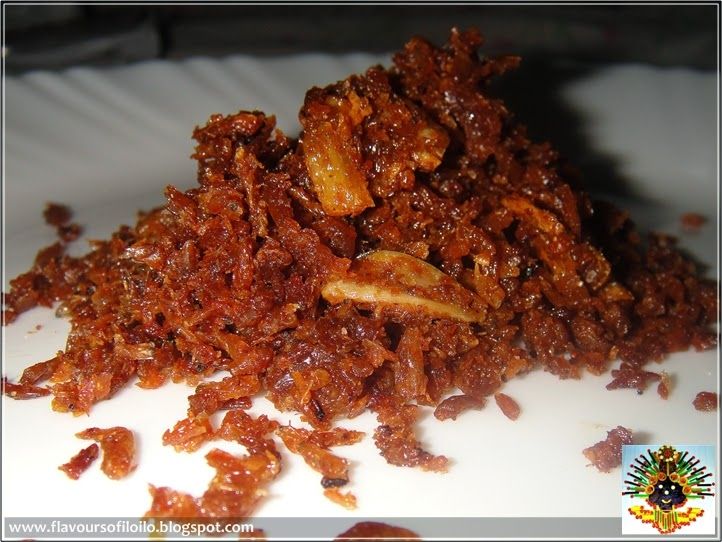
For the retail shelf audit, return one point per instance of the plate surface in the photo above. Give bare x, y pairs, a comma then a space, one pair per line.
108, 141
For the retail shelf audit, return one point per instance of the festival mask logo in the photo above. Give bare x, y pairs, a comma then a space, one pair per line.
669, 484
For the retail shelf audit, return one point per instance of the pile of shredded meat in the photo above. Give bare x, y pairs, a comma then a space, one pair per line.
411, 243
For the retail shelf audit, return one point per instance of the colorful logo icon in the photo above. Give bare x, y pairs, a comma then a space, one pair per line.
668, 484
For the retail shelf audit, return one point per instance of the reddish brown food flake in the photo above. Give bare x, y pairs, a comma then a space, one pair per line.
452, 406
607, 454
508, 406
40, 371
118, 446
397, 442
375, 530
56, 214
169, 503
23, 391
240, 427
69, 232
632, 376
664, 386
299, 441
233, 492
189, 434
347, 500
706, 401
238, 484
80, 462
692, 221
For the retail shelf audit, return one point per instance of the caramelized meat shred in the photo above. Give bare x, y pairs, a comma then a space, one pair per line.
80, 462
606, 455
412, 241
118, 446
452, 406
508, 406
233, 493
189, 434
706, 401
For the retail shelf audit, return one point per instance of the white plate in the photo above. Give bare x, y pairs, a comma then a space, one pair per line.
107, 142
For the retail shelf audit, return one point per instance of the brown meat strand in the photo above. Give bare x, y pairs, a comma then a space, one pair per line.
118, 446
189, 434
376, 530
508, 406
240, 427
706, 401
23, 391
80, 462
397, 442
606, 455
452, 406
299, 441
347, 500
233, 493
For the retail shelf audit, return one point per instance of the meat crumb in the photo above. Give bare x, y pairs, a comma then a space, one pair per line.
508, 406
118, 446
452, 406
705, 401
692, 222
80, 462
607, 454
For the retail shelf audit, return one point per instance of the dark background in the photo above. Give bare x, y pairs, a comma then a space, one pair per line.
54, 36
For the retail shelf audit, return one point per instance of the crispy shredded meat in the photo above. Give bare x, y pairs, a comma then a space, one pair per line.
80, 462
412, 241
507, 405
118, 446
706, 401
606, 454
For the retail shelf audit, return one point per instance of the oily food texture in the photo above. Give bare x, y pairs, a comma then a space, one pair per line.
606, 454
411, 242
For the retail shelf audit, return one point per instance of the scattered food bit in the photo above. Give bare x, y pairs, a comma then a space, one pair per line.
452, 406
69, 232
632, 376
23, 391
607, 454
40, 372
189, 434
664, 386
397, 442
347, 500
80, 462
706, 401
233, 492
508, 406
692, 222
374, 530
240, 427
118, 446
299, 441
56, 214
